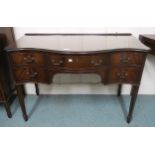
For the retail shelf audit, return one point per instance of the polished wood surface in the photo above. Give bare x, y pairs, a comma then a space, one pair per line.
148, 40
117, 59
81, 44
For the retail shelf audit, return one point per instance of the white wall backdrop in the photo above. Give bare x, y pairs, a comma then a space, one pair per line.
90, 84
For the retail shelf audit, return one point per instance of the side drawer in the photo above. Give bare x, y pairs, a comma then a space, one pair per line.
124, 75
76, 62
26, 58
26, 74
127, 58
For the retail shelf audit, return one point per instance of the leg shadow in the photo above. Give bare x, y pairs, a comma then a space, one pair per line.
123, 106
35, 106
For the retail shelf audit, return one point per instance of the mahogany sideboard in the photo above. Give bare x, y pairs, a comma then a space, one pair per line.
6, 81
118, 59
148, 40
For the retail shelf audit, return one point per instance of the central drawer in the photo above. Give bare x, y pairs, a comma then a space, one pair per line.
72, 62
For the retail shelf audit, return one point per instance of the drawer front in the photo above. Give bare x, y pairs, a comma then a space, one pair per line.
127, 58
124, 75
26, 74
27, 58
77, 62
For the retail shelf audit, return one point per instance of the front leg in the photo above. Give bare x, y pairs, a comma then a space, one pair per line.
119, 90
7, 108
21, 101
134, 93
37, 89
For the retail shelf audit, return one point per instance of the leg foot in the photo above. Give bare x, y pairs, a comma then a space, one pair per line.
129, 119
25, 117
21, 101
7, 108
10, 115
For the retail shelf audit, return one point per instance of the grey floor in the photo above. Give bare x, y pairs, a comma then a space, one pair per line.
81, 111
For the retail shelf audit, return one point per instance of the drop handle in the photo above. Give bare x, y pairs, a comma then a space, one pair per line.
29, 59
122, 75
97, 63
32, 75
125, 60
57, 63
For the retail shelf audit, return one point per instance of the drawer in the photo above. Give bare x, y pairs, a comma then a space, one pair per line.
26, 74
27, 58
125, 75
76, 62
127, 58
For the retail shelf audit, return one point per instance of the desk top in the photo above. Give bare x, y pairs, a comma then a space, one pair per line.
78, 43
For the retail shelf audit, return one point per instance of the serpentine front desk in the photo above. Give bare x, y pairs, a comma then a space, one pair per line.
117, 58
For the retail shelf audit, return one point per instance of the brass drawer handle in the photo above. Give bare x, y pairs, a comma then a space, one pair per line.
29, 59
97, 63
122, 75
56, 63
31, 75
125, 60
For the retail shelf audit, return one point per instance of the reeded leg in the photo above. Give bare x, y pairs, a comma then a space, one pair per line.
37, 88
119, 90
7, 107
134, 93
21, 101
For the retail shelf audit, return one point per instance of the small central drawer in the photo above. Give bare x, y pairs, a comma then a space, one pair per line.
127, 58
27, 58
124, 75
26, 74
76, 62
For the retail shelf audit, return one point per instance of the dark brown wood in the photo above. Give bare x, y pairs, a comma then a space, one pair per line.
4, 100
148, 40
132, 102
6, 80
9, 33
82, 34
37, 88
21, 101
117, 59
119, 90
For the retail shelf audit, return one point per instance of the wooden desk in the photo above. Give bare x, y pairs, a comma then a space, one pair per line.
148, 40
116, 58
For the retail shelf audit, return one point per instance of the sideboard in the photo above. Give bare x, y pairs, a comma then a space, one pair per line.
118, 59
148, 40
6, 81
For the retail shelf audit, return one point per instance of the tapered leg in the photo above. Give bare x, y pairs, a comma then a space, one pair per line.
119, 90
134, 93
6, 104
21, 101
37, 88
131, 92
23, 90
7, 107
